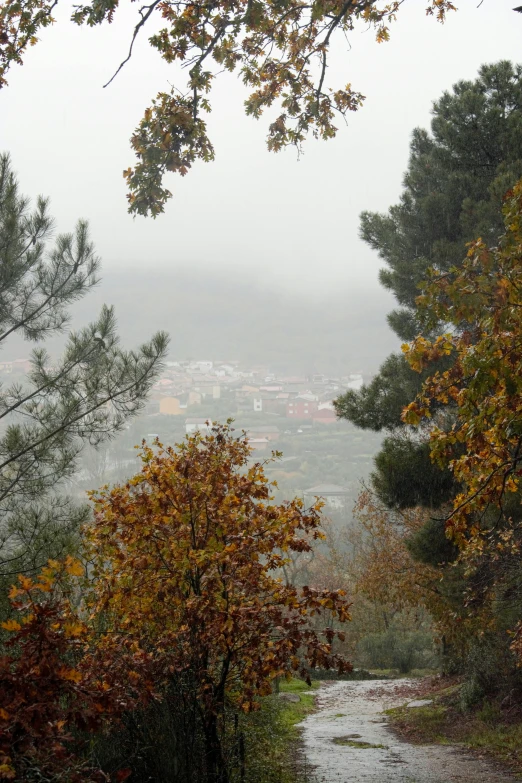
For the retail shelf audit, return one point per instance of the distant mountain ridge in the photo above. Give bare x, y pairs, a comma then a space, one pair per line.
228, 316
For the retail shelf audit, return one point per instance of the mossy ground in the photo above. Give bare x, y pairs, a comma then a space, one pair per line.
395, 674
488, 731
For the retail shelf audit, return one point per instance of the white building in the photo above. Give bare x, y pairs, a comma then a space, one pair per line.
197, 425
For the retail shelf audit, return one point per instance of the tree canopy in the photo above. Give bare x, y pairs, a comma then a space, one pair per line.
482, 300
279, 47
187, 561
453, 187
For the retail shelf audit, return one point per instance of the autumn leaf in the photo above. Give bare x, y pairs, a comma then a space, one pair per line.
73, 566
11, 625
282, 58
69, 674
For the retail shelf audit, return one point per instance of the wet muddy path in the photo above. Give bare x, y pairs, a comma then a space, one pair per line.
347, 741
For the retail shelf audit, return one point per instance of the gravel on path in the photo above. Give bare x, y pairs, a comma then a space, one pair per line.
346, 740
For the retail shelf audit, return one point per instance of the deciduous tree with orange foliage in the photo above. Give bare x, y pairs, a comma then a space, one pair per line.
186, 559
280, 47
398, 566
477, 430
481, 440
383, 568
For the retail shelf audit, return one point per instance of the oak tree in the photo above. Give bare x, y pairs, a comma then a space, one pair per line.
479, 303
49, 697
187, 560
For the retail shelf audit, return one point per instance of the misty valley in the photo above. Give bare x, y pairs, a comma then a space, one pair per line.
260, 415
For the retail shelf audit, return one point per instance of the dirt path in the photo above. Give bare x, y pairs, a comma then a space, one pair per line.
349, 713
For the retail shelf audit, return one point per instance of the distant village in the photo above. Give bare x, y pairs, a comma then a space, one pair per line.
290, 402
188, 384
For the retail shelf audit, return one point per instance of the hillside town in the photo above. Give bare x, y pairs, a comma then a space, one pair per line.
248, 389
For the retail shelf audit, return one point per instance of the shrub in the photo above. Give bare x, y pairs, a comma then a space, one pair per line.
396, 649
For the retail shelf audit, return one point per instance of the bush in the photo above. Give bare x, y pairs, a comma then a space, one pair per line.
164, 742
396, 649
490, 670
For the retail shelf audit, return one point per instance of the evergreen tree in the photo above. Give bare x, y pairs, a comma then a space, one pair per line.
453, 191
453, 188
48, 416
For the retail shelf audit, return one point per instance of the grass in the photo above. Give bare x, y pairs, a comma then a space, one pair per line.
424, 724
272, 738
293, 713
487, 730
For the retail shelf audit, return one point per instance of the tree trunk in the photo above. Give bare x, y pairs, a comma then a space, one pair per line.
216, 767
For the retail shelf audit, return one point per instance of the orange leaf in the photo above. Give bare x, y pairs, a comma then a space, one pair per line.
11, 625
73, 566
70, 674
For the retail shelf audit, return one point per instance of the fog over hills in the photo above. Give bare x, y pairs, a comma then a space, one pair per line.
229, 316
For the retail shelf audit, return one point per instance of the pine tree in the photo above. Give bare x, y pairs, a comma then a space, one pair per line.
453, 191
48, 416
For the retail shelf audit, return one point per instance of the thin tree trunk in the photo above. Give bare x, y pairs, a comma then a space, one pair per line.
216, 767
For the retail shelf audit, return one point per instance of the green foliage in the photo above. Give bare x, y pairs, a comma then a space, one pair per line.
271, 736
84, 397
453, 191
453, 187
406, 477
379, 404
398, 649
430, 545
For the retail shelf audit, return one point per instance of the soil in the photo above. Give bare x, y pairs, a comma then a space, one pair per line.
347, 740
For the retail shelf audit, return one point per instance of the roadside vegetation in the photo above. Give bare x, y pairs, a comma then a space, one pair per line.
491, 730
440, 519
272, 736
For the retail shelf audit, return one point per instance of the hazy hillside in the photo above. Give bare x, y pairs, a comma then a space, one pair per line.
234, 317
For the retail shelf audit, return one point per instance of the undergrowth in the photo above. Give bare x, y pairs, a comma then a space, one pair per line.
490, 729
271, 736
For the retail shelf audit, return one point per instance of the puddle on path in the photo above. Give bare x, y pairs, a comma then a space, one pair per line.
346, 741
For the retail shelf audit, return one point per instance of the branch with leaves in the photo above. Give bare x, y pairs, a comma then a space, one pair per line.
481, 302
279, 47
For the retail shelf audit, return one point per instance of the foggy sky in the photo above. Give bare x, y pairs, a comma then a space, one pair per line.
268, 216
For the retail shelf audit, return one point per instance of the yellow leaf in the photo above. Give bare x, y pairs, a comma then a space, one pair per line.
7, 772
73, 630
11, 625
25, 582
73, 566
70, 674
